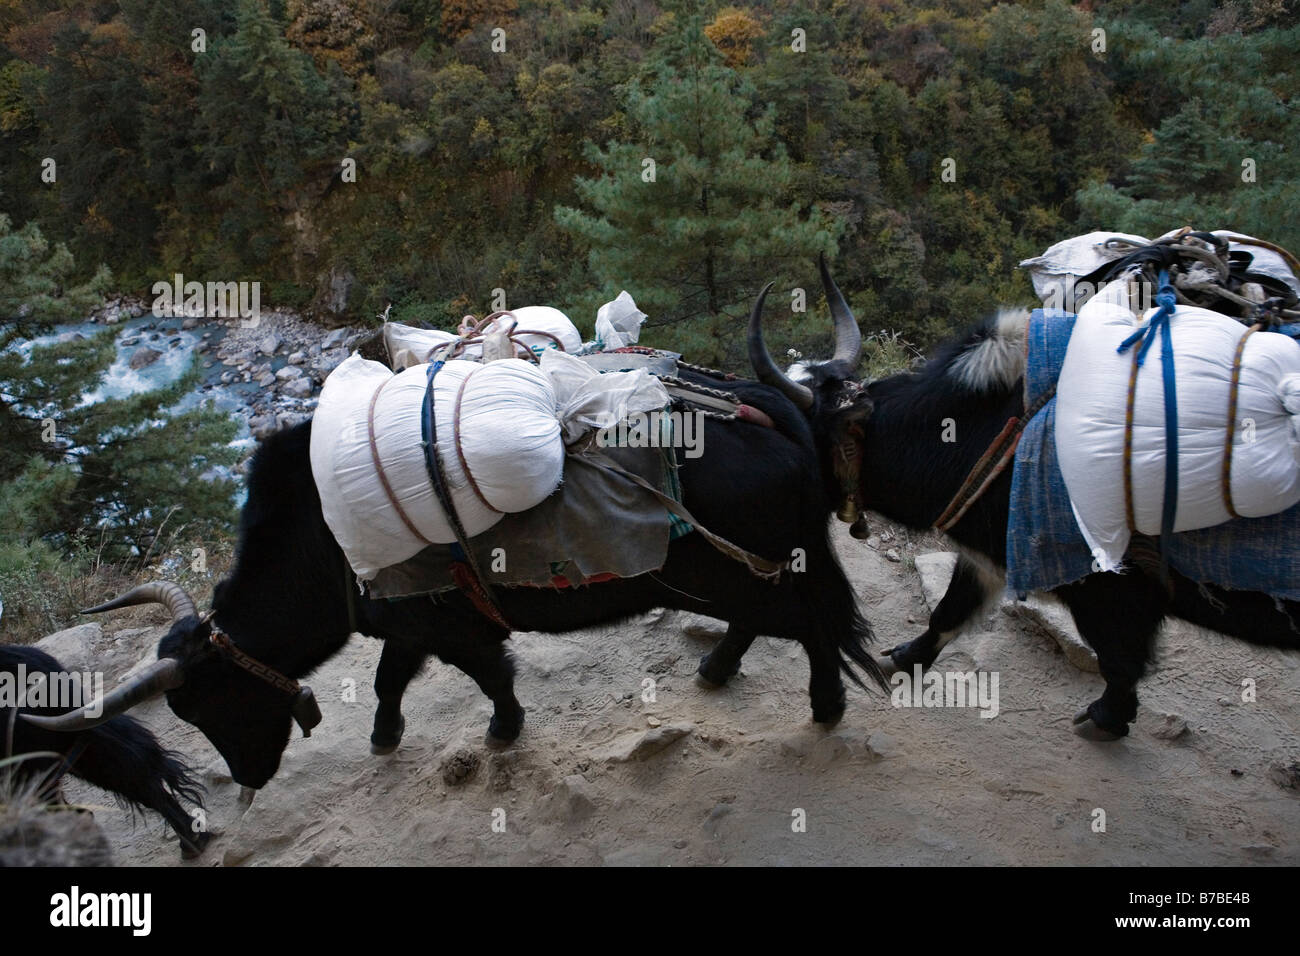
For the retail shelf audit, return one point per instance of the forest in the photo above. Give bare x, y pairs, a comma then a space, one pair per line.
437, 156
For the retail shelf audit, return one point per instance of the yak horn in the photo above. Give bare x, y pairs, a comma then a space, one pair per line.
762, 363
159, 677
848, 338
171, 596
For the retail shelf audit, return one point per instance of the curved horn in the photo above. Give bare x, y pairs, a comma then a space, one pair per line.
761, 360
848, 338
171, 596
159, 677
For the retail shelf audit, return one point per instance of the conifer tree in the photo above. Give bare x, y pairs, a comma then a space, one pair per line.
692, 213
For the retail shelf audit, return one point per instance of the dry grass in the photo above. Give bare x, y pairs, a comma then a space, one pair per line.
34, 832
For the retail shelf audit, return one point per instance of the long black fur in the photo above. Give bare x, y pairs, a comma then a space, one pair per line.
120, 755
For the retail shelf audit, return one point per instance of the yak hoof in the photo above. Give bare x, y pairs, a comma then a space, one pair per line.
192, 846
1088, 729
828, 717
501, 735
382, 745
710, 677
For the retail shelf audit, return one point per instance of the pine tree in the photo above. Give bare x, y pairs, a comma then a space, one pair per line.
694, 213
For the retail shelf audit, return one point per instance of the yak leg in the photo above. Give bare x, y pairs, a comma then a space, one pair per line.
1117, 614
479, 650
398, 664
971, 588
723, 662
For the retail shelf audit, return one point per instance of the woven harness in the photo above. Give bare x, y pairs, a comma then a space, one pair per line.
1000, 453
304, 708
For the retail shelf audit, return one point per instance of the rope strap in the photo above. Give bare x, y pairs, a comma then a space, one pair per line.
1230, 437
379, 467
760, 567
433, 464
1160, 324
1000, 453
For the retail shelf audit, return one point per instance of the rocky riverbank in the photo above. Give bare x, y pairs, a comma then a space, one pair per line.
267, 372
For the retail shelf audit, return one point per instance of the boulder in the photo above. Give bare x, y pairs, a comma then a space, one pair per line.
73, 647
144, 357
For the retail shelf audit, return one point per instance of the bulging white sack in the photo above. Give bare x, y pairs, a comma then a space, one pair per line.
538, 327
586, 398
509, 436
1092, 394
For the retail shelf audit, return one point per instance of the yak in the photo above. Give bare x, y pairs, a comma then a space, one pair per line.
909, 474
290, 601
119, 755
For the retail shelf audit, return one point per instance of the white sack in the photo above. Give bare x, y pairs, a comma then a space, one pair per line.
586, 398
409, 346
510, 437
618, 323
1056, 271
1091, 401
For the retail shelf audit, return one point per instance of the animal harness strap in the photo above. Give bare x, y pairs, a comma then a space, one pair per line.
1167, 299
760, 567
1000, 453
379, 467
460, 451
1230, 436
433, 464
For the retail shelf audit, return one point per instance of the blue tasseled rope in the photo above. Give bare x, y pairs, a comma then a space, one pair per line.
1160, 322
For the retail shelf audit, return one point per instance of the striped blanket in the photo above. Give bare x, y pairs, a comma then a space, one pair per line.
1044, 546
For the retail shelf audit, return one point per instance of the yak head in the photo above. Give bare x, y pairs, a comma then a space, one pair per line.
837, 405
246, 716
282, 611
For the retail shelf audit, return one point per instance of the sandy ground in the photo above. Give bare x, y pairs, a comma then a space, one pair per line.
749, 779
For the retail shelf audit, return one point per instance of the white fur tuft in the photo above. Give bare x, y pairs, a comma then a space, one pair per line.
998, 361
800, 372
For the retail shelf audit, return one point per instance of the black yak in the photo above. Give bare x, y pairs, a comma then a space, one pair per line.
285, 607
118, 755
909, 475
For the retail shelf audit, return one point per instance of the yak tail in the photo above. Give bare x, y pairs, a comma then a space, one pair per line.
837, 606
1248, 615
123, 757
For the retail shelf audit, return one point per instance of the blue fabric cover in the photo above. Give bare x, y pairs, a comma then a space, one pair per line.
1044, 546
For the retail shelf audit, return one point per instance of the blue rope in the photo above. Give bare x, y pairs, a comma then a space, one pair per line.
1161, 323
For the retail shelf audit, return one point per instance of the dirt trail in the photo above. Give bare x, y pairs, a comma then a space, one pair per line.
887, 786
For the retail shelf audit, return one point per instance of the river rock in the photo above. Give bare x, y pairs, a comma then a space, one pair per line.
270, 344
288, 372
297, 358
299, 387
266, 380
144, 357
334, 339
262, 426
190, 323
